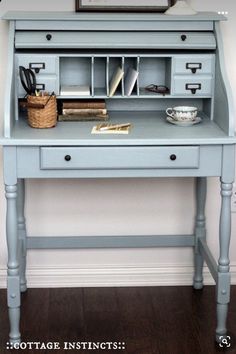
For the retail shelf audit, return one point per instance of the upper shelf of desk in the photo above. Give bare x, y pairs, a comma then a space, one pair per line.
111, 21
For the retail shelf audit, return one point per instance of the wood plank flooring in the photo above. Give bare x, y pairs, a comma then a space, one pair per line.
150, 320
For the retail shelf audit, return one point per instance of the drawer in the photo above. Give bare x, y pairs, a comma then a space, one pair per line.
69, 158
194, 64
48, 84
115, 39
40, 64
197, 85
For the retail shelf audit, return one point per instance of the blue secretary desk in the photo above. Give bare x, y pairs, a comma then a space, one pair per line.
184, 53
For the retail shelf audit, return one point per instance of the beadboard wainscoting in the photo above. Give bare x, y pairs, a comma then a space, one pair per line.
111, 276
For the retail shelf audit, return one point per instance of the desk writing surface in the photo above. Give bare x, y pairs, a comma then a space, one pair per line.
148, 128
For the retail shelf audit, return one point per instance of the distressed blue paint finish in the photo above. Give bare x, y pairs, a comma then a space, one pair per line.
180, 52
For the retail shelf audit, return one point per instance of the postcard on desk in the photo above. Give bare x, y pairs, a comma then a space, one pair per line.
109, 128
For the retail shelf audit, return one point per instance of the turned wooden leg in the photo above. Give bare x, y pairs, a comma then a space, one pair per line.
200, 230
13, 278
21, 232
223, 283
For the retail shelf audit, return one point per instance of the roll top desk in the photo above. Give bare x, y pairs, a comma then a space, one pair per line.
184, 53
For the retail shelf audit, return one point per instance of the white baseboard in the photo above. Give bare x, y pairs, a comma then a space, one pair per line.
155, 275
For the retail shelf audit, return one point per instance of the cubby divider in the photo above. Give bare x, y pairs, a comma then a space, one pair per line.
123, 78
92, 76
107, 75
138, 70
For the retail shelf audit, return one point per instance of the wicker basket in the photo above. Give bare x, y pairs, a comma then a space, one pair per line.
42, 111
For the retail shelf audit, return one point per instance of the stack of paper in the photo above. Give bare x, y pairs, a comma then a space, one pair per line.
75, 90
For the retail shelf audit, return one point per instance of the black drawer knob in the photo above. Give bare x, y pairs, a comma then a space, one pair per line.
67, 157
49, 36
173, 157
183, 37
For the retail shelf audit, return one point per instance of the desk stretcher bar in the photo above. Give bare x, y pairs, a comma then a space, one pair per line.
110, 242
82, 242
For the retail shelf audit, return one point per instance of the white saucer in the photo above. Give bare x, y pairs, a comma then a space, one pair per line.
184, 124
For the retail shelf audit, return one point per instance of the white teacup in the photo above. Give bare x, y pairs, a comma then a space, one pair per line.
182, 113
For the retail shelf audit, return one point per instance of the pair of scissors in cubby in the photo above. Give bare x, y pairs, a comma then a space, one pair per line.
28, 80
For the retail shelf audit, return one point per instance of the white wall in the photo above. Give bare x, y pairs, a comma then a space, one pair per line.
110, 207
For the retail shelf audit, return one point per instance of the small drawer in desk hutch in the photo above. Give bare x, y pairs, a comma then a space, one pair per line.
197, 64
69, 158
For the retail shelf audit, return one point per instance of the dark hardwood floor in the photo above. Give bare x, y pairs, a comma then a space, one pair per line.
150, 320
